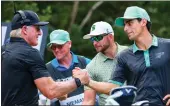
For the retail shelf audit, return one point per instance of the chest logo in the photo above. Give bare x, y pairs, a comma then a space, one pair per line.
159, 55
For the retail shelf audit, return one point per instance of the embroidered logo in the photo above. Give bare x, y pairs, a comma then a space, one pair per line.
159, 55
93, 27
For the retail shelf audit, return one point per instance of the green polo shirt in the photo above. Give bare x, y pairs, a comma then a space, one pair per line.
100, 69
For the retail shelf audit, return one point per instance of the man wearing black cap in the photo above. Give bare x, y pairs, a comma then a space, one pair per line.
23, 69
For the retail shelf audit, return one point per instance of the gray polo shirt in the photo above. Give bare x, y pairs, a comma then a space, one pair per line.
147, 70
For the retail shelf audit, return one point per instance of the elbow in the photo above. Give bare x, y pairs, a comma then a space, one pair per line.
52, 95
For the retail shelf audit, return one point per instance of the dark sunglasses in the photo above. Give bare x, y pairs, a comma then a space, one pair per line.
37, 27
98, 38
53, 47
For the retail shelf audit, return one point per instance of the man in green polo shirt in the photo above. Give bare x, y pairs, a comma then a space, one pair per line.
102, 65
145, 64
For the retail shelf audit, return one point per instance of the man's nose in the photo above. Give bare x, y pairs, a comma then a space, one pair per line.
95, 42
125, 28
39, 32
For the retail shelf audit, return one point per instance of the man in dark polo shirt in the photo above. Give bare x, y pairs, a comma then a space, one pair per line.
23, 68
145, 65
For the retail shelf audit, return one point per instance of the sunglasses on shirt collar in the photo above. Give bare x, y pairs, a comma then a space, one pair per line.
98, 38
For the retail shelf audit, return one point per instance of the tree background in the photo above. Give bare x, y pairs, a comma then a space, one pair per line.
78, 16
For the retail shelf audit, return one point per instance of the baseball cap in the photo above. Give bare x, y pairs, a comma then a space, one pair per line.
59, 37
132, 13
99, 28
26, 17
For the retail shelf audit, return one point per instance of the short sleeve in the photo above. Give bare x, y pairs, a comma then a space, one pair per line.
118, 76
90, 70
36, 65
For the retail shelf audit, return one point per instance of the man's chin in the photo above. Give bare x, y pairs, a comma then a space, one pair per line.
98, 50
34, 44
131, 38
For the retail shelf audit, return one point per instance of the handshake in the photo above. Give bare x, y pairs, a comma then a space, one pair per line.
81, 74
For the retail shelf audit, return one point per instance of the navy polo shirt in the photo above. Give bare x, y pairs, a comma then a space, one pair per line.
147, 70
21, 65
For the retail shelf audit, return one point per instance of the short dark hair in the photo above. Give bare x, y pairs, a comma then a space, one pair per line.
148, 25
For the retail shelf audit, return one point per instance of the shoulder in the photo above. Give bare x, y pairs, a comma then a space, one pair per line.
164, 44
163, 40
87, 60
123, 47
124, 54
94, 60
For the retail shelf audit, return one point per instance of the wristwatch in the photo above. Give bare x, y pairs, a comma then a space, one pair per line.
78, 82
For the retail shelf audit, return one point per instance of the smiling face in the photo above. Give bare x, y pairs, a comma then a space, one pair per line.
133, 28
31, 34
61, 51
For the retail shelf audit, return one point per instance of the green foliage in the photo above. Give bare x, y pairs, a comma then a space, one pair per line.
58, 13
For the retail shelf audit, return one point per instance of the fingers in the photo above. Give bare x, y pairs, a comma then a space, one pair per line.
77, 68
166, 97
168, 103
62, 97
77, 71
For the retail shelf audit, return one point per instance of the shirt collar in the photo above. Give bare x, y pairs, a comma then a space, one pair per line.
104, 57
17, 39
56, 64
154, 43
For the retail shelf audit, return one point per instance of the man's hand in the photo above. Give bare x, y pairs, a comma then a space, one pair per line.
63, 97
167, 98
82, 74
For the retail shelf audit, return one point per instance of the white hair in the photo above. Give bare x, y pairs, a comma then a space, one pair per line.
15, 33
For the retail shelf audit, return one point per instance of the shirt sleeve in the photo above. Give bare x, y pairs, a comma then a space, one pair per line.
36, 65
118, 76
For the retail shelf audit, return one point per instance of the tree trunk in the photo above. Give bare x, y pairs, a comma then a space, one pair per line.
73, 15
94, 7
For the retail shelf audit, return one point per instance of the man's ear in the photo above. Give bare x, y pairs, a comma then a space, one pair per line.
144, 22
23, 30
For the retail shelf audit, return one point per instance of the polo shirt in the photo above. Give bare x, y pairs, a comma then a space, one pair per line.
101, 67
61, 73
60, 67
21, 65
148, 70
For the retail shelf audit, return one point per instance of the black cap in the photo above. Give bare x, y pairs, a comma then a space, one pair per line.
26, 17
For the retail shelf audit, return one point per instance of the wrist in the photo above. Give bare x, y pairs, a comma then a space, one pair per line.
78, 82
88, 84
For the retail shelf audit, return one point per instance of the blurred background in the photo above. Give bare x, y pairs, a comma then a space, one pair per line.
77, 17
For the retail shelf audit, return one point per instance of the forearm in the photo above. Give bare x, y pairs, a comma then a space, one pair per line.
65, 87
61, 88
89, 103
89, 97
101, 87
52, 89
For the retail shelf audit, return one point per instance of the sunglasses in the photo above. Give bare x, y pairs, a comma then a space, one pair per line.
37, 27
53, 47
98, 38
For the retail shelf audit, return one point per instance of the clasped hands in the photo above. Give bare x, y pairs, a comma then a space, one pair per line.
82, 74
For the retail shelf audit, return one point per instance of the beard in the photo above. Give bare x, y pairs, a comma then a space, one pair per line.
102, 48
